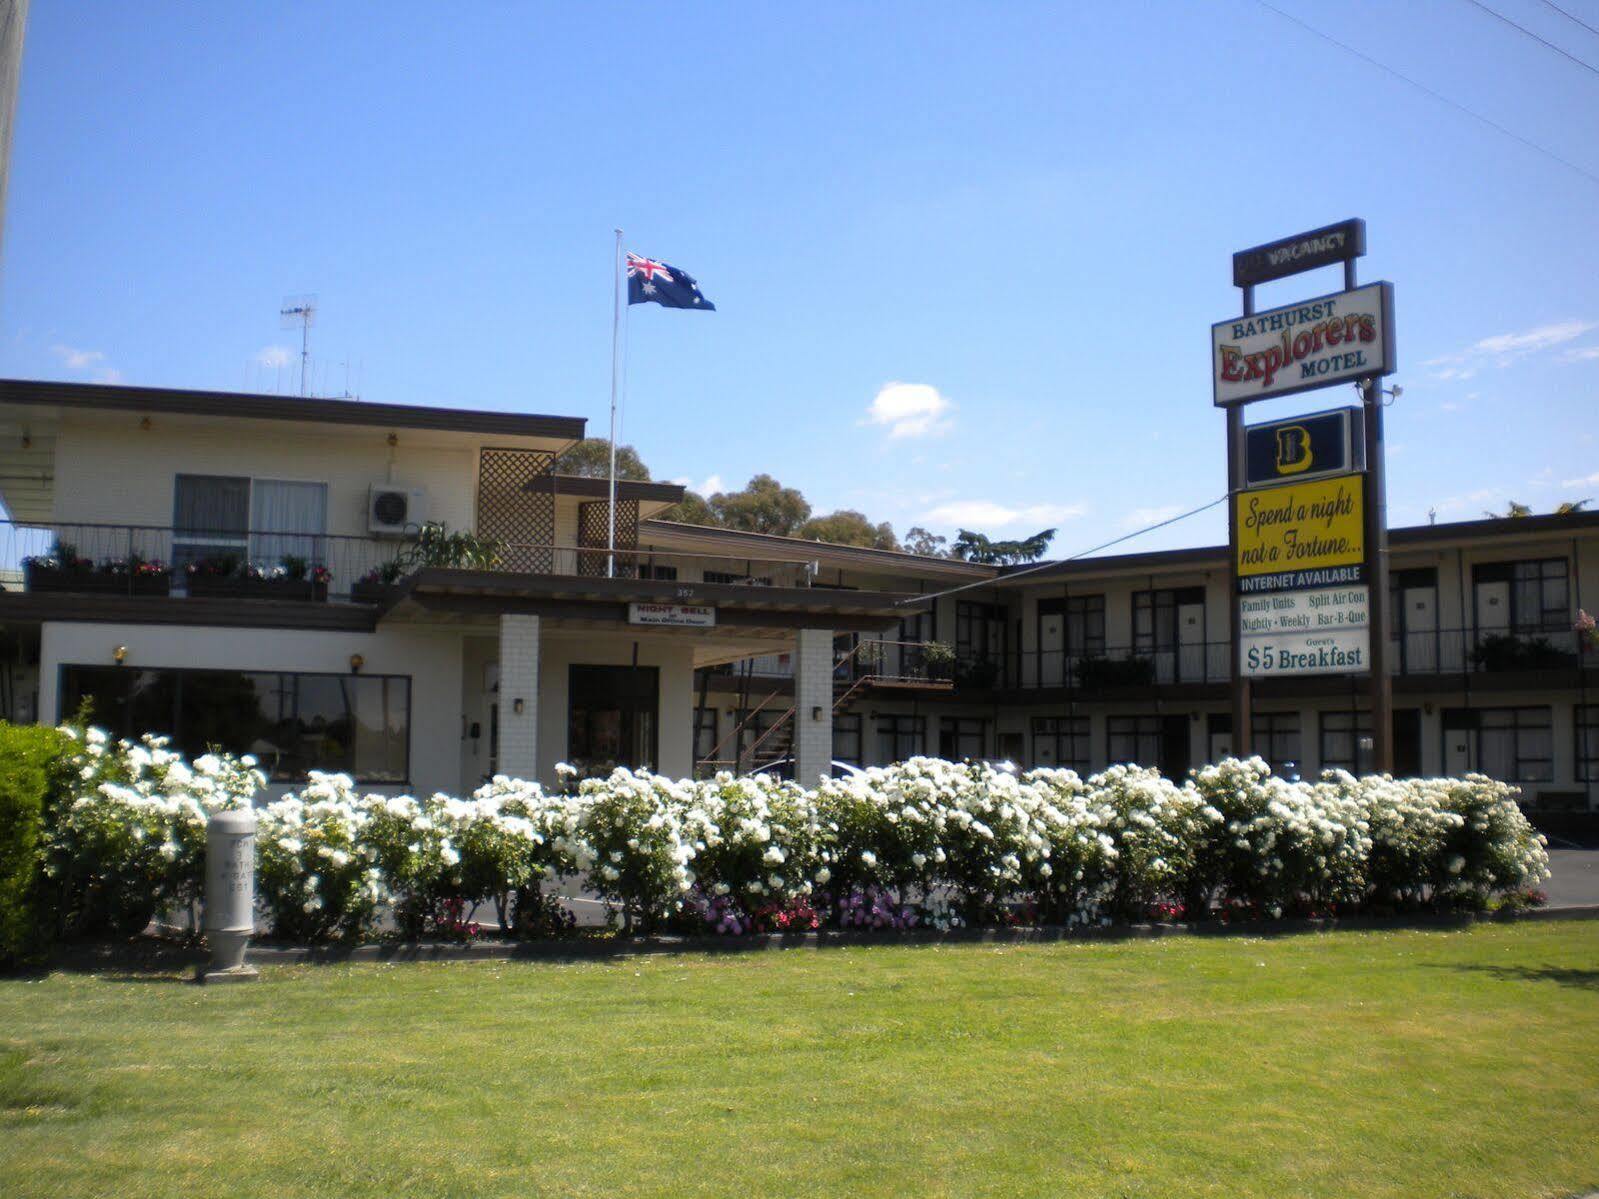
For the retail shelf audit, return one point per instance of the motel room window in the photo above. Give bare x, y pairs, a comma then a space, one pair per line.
1514, 745
292, 722
847, 738
1155, 617
264, 520
900, 737
1535, 595
612, 718
1082, 624
1061, 741
979, 643
1150, 740
1277, 739
664, 574
1346, 742
1588, 743
962, 738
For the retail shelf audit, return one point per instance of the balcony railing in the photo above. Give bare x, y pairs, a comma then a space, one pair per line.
117, 559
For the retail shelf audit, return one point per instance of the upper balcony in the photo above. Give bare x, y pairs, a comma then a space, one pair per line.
152, 560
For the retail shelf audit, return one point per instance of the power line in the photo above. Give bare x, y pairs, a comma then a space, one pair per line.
1439, 96
1572, 17
1587, 66
1053, 562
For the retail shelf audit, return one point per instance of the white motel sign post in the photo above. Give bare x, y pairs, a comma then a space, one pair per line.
1307, 523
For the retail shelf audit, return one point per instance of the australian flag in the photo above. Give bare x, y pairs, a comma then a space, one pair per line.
648, 280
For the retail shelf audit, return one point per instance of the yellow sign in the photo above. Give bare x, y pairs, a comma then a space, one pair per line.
1304, 526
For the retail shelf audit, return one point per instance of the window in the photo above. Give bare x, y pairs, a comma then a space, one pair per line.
1516, 744
611, 718
847, 738
1135, 739
979, 642
899, 737
264, 520
722, 576
1155, 617
1346, 742
292, 722
1588, 743
962, 738
1083, 623
1061, 741
1535, 593
665, 574
1276, 737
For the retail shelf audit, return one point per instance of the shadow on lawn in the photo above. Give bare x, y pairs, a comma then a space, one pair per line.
1565, 976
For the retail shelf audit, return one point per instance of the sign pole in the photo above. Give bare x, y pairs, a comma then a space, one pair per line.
1243, 688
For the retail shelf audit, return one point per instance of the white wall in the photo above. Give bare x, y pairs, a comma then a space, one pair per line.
432, 658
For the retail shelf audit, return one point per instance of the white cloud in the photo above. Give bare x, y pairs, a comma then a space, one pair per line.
1503, 349
1587, 481
273, 357
712, 484
1581, 354
910, 410
76, 359
983, 515
1138, 518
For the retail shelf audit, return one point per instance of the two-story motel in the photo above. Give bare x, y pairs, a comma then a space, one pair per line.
695, 648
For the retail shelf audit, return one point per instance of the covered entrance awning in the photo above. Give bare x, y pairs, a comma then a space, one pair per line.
724, 622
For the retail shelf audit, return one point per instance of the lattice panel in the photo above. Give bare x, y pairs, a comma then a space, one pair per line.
522, 521
593, 529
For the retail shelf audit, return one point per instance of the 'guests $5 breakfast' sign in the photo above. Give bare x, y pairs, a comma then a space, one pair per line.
1306, 530
1335, 338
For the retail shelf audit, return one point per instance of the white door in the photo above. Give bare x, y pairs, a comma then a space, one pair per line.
1421, 629
1459, 751
1051, 649
1191, 642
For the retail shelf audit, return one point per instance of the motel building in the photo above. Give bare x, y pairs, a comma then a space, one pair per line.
422, 667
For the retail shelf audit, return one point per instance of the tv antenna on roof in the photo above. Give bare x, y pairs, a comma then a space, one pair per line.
300, 310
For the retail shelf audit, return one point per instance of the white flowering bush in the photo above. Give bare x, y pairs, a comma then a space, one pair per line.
317, 872
128, 840
925, 843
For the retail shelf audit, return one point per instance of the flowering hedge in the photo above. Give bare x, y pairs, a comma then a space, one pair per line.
923, 842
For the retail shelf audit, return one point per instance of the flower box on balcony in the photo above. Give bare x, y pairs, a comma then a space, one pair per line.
39, 577
373, 593
233, 587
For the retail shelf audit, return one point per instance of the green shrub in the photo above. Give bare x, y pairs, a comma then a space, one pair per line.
33, 765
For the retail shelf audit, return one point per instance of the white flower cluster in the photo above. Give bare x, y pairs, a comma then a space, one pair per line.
926, 841
129, 838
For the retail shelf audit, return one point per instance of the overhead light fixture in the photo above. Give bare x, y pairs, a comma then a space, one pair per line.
120, 654
356, 662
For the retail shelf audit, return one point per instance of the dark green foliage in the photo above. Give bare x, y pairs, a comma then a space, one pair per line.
33, 764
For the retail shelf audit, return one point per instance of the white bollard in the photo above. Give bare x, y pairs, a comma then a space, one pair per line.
229, 894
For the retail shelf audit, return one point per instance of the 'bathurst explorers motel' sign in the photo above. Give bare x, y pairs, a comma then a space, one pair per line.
1299, 513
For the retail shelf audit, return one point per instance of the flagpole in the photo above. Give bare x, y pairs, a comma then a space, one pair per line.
616, 326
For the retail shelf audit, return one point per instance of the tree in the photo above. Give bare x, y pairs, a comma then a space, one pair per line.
693, 510
975, 547
848, 527
591, 459
930, 545
1516, 511
765, 506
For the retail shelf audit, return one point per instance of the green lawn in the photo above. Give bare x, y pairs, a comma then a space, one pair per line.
1403, 1064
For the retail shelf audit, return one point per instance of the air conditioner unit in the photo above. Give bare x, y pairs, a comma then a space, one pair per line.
393, 510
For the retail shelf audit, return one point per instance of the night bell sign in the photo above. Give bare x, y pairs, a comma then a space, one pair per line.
1332, 339
1306, 447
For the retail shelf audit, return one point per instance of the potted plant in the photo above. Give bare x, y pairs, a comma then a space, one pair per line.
379, 583
137, 575
231, 576
60, 570
1094, 674
938, 657
1506, 651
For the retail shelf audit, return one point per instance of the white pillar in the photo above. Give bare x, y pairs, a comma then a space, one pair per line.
813, 706
519, 689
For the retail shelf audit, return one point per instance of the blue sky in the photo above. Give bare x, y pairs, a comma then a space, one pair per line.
1025, 212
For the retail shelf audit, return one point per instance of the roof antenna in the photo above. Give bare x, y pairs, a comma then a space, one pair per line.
300, 310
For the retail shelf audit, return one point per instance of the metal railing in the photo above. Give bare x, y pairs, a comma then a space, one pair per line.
124, 559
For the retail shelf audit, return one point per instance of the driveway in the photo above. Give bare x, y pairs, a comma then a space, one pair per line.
1576, 877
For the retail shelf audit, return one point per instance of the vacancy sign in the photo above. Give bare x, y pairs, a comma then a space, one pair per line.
1326, 631
1333, 339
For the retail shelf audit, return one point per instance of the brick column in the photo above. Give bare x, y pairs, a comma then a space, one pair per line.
519, 683
813, 706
